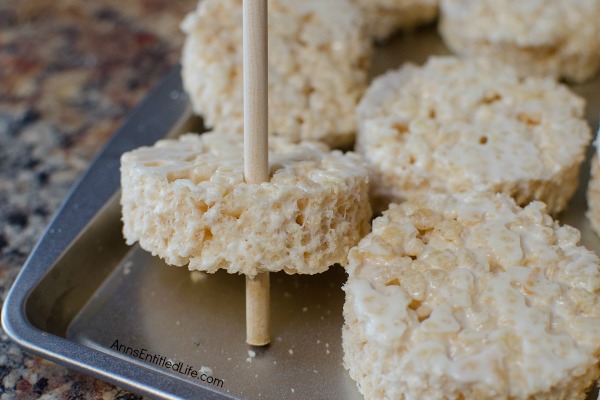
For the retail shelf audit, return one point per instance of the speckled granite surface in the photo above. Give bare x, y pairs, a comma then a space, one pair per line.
70, 70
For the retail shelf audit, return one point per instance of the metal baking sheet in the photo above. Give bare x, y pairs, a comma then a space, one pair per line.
86, 300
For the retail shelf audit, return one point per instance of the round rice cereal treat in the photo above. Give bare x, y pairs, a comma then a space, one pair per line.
319, 54
467, 125
469, 296
558, 38
593, 195
385, 17
186, 201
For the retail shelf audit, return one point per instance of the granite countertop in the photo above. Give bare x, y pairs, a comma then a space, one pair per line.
70, 71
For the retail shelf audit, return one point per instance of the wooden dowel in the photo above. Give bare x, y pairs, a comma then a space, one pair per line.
258, 309
256, 157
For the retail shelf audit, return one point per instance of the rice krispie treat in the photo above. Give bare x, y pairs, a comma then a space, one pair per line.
460, 125
319, 53
186, 201
558, 38
385, 17
469, 296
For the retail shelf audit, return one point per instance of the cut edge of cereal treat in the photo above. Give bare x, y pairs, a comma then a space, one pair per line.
561, 52
318, 64
185, 200
523, 137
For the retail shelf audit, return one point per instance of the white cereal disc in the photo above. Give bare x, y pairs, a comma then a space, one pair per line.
558, 38
319, 54
384, 17
186, 201
469, 296
468, 125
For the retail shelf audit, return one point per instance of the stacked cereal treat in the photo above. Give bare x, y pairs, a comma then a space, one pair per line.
468, 125
469, 296
593, 193
319, 54
384, 17
557, 38
186, 201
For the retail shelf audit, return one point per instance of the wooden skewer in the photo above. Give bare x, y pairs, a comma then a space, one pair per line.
256, 157
258, 304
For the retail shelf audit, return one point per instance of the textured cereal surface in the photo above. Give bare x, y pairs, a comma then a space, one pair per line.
558, 38
460, 125
319, 53
185, 201
593, 195
469, 296
384, 17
